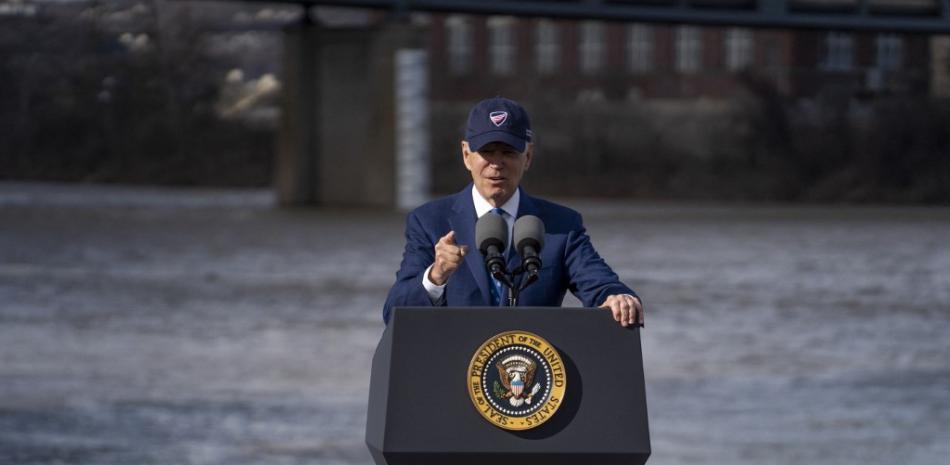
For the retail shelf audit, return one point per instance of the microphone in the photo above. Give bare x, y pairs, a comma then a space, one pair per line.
529, 239
491, 235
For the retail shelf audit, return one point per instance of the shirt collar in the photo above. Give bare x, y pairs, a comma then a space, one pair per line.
482, 206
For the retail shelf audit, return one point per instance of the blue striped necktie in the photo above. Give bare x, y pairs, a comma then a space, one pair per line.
498, 289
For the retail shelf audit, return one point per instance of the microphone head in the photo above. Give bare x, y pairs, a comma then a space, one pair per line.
529, 231
491, 230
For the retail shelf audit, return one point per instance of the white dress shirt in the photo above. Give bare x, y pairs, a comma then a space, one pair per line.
481, 207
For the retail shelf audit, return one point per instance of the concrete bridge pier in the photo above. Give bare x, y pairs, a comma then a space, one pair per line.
354, 122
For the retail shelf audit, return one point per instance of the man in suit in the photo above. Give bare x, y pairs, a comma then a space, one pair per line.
441, 264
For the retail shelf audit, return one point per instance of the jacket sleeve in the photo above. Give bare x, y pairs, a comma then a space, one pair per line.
419, 254
590, 278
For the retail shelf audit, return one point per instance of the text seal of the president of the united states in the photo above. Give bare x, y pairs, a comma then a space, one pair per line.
517, 380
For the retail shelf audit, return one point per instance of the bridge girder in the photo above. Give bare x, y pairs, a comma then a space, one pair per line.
919, 16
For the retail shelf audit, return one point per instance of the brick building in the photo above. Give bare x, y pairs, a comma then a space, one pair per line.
473, 56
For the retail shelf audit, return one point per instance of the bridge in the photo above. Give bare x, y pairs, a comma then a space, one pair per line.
927, 16
354, 126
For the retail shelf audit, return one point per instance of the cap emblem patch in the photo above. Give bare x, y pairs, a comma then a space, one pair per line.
498, 117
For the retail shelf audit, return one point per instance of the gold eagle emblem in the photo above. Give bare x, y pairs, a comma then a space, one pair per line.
517, 375
516, 380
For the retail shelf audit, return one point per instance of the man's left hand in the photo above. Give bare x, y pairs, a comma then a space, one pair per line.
626, 308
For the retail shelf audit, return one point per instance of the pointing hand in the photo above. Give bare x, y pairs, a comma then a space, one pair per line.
448, 257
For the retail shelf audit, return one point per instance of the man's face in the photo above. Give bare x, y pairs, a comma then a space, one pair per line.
496, 170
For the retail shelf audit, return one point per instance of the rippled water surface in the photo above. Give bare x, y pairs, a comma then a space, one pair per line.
154, 326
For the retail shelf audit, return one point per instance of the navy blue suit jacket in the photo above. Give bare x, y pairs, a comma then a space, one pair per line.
569, 261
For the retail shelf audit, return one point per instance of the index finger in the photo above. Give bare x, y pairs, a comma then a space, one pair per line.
448, 238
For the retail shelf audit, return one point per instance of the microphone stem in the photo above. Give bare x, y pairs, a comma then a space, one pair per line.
513, 292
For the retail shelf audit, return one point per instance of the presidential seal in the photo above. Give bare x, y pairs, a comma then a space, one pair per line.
516, 380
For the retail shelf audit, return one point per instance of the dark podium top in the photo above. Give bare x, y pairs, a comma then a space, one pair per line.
420, 411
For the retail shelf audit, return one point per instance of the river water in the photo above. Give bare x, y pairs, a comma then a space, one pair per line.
174, 326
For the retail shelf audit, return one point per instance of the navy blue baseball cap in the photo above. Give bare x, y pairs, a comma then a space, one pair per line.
498, 120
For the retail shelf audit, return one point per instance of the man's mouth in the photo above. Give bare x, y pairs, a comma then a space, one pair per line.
496, 178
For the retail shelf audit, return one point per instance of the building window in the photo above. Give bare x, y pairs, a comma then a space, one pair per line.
890, 51
689, 49
501, 46
839, 52
738, 48
459, 44
547, 47
640, 40
592, 47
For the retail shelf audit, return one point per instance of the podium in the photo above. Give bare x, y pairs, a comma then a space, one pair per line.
424, 402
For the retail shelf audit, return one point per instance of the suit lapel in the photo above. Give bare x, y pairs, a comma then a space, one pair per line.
462, 222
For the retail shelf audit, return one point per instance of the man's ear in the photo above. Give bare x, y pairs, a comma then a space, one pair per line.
466, 153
